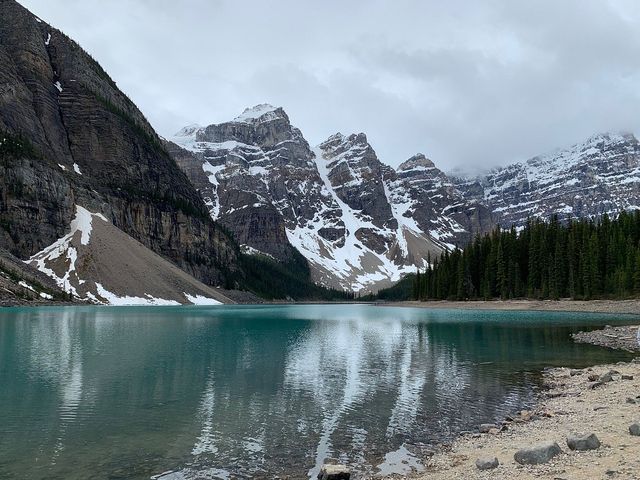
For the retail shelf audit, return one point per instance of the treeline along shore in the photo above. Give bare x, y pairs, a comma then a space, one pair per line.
580, 259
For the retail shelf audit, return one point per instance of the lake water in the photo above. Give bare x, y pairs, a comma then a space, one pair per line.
262, 391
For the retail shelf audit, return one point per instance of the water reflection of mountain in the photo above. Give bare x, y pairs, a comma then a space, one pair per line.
258, 391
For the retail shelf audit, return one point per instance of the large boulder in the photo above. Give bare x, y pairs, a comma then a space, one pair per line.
537, 454
583, 442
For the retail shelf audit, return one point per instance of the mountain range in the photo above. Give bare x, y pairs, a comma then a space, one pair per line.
362, 224
96, 206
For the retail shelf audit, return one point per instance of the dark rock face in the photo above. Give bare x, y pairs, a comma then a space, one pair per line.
89, 145
356, 176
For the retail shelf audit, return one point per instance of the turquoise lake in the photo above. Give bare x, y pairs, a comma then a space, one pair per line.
263, 391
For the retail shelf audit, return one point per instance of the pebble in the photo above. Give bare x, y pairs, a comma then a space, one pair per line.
486, 427
334, 472
627, 377
634, 429
487, 463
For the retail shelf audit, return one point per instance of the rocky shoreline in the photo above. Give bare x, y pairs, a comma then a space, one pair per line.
584, 426
623, 338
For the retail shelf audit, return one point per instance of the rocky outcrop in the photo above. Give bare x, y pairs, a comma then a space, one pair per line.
69, 136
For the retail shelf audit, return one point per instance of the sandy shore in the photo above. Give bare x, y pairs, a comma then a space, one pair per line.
578, 402
594, 306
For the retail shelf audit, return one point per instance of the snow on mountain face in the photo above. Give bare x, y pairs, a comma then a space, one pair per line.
430, 199
601, 175
89, 262
259, 178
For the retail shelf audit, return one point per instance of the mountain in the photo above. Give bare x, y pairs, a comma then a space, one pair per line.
359, 223
586, 180
71, 140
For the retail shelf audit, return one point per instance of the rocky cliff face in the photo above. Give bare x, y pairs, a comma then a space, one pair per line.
598, 176
69, 136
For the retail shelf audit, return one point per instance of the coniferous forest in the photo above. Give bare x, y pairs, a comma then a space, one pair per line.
546, 260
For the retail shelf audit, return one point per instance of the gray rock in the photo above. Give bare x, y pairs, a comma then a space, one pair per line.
334, 472
630, 400
575, 372
486, 427
487, 463
583, 442
634, 429
627, 377
606, 377
537, 454
593, 377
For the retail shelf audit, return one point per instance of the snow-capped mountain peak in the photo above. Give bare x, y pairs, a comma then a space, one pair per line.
262, 112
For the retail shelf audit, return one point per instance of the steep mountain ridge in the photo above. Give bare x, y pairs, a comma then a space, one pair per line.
69, 136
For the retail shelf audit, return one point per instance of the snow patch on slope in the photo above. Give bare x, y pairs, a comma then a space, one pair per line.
121, 301
357, 266
254, 113
82, 265
63, 251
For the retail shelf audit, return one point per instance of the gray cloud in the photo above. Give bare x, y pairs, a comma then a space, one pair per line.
471, 84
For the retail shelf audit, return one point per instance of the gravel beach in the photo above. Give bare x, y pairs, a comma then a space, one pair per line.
602, 400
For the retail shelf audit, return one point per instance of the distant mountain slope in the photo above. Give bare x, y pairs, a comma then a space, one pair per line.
600, 175
69, 136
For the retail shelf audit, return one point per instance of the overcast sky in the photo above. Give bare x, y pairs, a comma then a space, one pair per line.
467, 83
